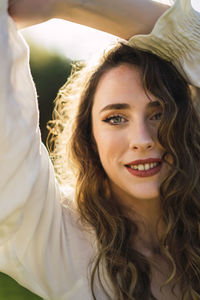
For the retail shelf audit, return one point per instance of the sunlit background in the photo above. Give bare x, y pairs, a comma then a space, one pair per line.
71, 39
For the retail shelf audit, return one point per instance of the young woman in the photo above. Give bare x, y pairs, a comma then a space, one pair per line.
132, 225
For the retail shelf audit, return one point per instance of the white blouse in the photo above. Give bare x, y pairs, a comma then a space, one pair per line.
42, 244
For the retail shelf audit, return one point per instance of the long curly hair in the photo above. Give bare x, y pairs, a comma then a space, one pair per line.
75, 157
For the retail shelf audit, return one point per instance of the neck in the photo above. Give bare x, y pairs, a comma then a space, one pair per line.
146, 213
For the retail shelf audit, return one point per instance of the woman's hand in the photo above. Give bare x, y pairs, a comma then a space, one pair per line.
123, 18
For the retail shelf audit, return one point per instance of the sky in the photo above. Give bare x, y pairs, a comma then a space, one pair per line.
73, 40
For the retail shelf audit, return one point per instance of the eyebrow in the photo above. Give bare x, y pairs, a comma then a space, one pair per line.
116, 106
127, 106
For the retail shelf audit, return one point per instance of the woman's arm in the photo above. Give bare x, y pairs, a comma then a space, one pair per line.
39, 241
123, 18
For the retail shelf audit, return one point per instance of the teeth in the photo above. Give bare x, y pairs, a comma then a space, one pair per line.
142, 167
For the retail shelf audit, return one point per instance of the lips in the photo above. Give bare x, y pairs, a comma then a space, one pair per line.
144, 167
144, 161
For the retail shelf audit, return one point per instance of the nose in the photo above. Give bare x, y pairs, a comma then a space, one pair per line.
141, 138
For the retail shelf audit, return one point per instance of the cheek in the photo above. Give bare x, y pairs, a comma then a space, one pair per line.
110, 144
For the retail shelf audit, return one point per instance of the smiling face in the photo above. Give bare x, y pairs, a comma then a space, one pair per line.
125, 121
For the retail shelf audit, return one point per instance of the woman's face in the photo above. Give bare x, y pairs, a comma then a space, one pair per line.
125, 122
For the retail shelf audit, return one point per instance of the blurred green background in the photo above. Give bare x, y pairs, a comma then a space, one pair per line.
50, 71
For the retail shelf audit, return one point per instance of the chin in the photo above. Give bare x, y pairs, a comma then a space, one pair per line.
147, 192
144, 195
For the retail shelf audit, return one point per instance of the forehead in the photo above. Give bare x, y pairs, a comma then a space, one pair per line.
125, 74
121, 84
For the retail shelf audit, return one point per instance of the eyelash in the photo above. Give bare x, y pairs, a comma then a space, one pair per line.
113, 117
160, 116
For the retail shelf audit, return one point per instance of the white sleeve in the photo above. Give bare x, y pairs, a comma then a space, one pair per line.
176, 38
36, 246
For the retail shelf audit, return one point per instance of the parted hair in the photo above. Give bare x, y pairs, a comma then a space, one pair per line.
76, 161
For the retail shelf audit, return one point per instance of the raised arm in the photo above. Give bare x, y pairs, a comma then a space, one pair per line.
39, 243
123, 18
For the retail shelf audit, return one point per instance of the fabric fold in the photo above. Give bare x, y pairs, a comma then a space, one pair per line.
176, 38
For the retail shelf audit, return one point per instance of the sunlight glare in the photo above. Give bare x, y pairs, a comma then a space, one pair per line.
73, 40
196, 5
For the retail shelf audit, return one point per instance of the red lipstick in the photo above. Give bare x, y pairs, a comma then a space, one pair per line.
144, 161
144, 173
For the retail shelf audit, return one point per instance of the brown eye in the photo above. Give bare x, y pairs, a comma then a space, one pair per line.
157, 116
115, 120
